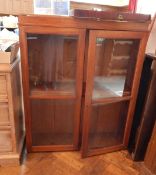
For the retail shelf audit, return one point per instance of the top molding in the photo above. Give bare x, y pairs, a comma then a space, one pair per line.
83, 23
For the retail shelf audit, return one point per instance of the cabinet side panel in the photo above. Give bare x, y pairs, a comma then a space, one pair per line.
17, 107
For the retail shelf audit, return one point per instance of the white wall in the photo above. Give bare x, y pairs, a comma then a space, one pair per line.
146, 7
151, 45
106, 2
149, 7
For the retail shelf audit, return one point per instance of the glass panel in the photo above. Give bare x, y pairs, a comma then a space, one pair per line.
52, 122
52, 63
115, 64
107, 124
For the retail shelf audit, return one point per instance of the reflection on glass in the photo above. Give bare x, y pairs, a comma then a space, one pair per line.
52, 122
52, 63
114, 69
107, 125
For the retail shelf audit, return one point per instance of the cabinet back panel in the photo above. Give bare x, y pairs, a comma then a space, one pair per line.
52, 62
52, 122
107, 124
114, 68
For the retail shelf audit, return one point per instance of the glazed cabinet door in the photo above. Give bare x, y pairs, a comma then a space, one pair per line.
52, 65
111, 88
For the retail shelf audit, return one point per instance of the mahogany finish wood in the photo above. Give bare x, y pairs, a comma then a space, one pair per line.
62, 95
71, 22
123, 39
89, 82
109, 15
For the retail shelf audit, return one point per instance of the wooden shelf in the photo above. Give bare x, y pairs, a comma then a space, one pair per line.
104, 140
36, 94
109, 89
52, 139
57, 90
111, 100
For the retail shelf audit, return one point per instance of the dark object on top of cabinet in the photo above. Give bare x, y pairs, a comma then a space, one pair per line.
62, 54
145, 112
109, 15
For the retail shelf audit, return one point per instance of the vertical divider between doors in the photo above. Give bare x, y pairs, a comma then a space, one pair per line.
89, 88
79, 85
135, 87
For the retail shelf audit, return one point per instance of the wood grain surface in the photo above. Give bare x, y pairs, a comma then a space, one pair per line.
71, 163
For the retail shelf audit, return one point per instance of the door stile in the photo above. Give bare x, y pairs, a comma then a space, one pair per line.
25, 82
88, 96
135, 87
79, 86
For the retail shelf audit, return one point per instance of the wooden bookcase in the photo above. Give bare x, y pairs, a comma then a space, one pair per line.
80, 73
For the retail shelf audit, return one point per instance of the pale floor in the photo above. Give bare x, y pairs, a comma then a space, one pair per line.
71, 163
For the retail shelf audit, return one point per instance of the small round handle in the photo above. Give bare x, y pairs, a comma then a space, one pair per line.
120, 17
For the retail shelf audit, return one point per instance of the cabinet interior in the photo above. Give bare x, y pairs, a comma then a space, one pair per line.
52, 64
114, 67
52, 122
107, 124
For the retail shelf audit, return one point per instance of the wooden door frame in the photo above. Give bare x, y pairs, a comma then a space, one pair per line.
142, 36
24, 30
